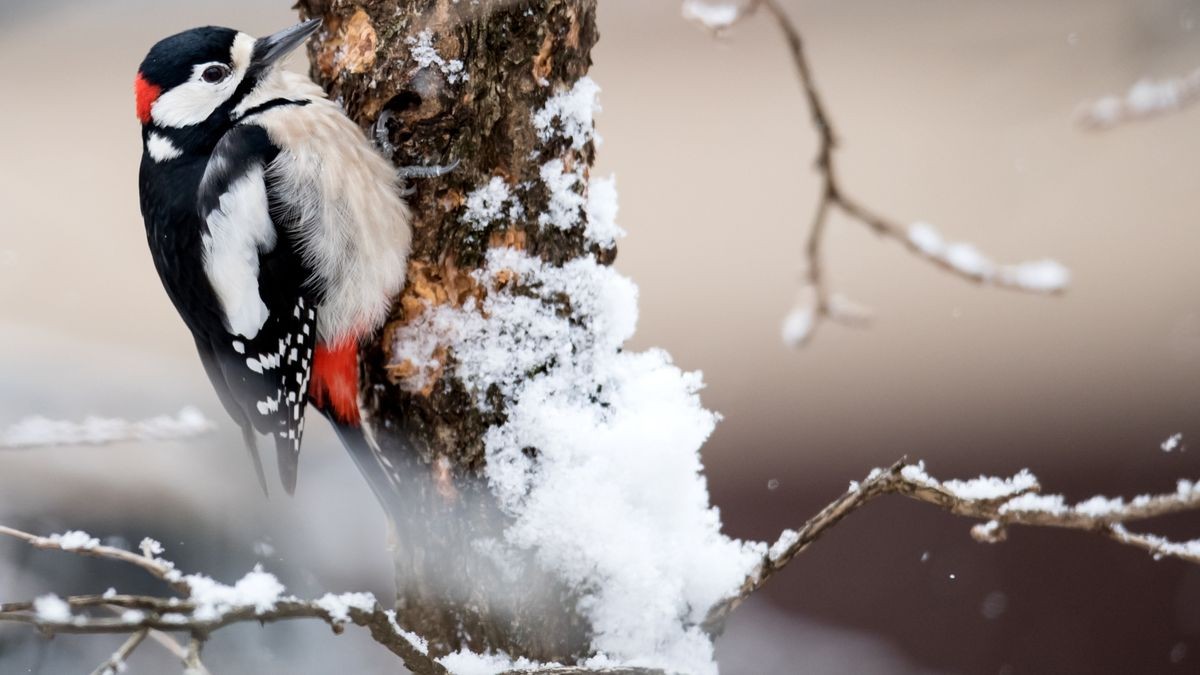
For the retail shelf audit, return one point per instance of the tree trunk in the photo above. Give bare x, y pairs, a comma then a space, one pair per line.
461, 80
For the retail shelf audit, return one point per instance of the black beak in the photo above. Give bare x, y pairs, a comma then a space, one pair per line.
272, 48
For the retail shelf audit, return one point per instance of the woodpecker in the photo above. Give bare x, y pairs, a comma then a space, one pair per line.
279, 231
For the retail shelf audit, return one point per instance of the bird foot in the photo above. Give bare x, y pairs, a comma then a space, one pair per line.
426, 171
380, 131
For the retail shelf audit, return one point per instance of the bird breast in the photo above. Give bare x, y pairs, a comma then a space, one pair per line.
351, 225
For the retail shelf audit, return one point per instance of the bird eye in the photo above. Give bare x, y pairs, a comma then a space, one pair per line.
214, 74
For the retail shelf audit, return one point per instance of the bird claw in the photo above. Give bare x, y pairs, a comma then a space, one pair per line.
406, 172
381, 133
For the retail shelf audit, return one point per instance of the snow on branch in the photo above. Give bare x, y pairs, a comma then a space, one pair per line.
998, 502
815, 302
33, 432
206, 606
1145, 99
715, 16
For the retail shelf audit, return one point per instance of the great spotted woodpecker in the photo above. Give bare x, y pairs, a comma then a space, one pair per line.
278, 230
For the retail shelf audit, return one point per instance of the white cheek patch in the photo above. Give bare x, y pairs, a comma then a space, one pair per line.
161, 148
238, 231
195, 100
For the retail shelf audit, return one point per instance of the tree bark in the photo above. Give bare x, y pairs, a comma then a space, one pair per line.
515, 54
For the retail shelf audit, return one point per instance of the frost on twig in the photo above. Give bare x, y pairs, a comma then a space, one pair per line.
816, 302
41, 432
1145, 99
998, 502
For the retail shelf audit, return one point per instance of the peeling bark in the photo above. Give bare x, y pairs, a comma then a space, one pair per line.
514, 55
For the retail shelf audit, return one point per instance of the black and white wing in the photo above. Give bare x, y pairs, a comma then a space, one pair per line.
261, 362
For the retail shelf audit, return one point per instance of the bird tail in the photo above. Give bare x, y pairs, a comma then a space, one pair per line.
365, 452
251, 441
287, 461
335, 391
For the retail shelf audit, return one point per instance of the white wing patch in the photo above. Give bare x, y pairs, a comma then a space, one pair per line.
239, 229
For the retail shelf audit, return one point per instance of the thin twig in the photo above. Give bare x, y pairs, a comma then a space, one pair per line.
1145, 99
166, 641
832, 197
116, 662
159, 568
177, 650
191, 661
999, 503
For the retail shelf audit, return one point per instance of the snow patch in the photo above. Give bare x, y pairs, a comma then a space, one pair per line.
787, 539
574, 110
486, 204
613, 501
150, 547
419, 643
798, 325
601, 209
1033, 502
50, 608
988, 488
566, 201
75, 540
1046, 276
464, 662
426, 55
133, 616
713, 17
1173, 443
258, 589
339, 606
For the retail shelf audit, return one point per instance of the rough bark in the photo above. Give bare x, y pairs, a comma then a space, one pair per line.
515, 54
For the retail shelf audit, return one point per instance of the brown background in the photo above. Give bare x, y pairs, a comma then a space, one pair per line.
958, 112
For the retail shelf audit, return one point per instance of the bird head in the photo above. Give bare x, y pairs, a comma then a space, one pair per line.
197, 77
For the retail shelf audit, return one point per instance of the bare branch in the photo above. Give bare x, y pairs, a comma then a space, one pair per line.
998, 502
191, 662
816, 302
35, 432
1145, 99
170, 644
116, 663
80, 544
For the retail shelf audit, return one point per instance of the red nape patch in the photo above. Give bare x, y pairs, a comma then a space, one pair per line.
146, 94
334, 385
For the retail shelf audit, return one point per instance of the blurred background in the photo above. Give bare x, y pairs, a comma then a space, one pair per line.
957, 112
